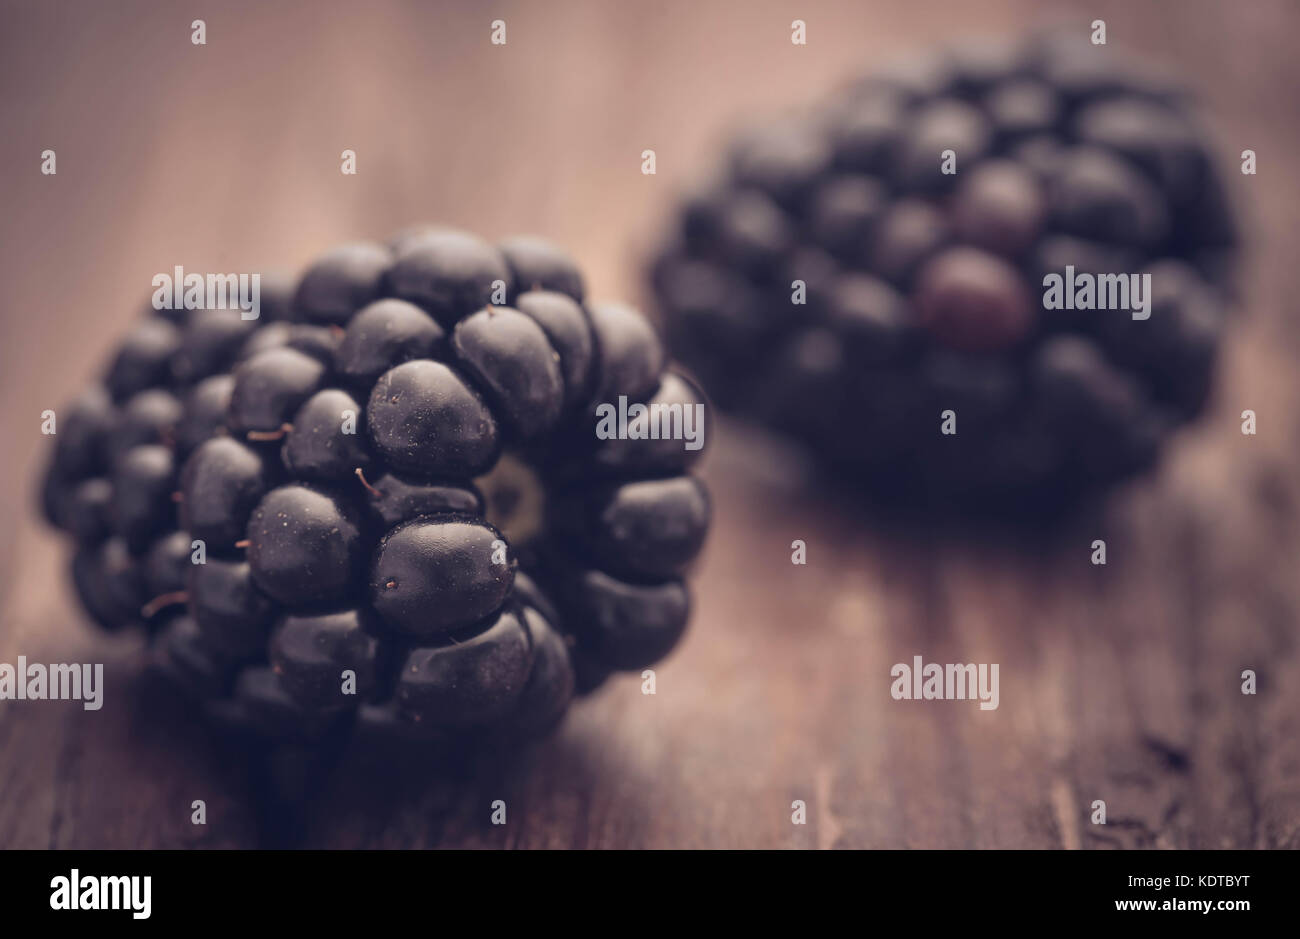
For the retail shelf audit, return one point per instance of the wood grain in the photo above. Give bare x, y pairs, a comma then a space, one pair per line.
1118, 683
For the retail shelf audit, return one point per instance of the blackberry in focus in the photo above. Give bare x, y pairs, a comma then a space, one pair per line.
384, 506
841, 288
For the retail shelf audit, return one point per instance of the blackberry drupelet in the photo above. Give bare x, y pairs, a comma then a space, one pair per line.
385, 507
922, 291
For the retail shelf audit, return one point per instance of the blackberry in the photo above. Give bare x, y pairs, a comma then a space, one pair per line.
384, 334
319, 445
310, 652
144, 358
231, 611
304, 545
842, 288
478, 680
511, 357
221, 484
432, 575
142, 487
425, 417
448, 273
569, 334
340, 283
269, 387
392, 500
386, 506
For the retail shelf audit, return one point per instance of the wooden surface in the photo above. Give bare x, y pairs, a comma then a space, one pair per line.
1118, 683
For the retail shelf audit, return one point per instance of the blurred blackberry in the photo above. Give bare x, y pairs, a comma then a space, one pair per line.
922, 291
386, 507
